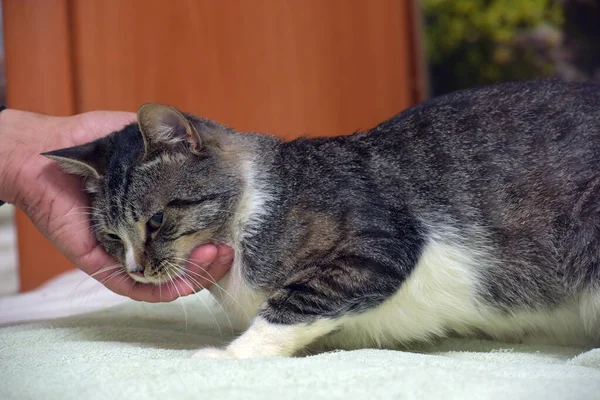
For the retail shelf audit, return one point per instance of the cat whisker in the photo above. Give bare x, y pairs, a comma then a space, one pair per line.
180, 270
91, 276
74, 290
105, 269
179, 295
197, 294
84, 221
212, 280
87, 221
104, 281
111, 276
86, 207
187, 275
123, 279
160, 291
91, 228
75, 211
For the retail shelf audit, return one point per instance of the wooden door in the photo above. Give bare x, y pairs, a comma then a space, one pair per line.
291, 68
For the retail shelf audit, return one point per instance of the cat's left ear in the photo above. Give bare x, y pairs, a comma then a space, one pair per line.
165, 128
88, 160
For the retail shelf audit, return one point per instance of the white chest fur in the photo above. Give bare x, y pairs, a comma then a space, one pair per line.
239, 301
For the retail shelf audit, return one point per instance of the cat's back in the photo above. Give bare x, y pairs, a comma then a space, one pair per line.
543, 134
494, 108
530, 137
512, 120
524, 119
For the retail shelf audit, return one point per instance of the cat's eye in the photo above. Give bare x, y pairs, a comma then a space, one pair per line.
156, 221
114, 237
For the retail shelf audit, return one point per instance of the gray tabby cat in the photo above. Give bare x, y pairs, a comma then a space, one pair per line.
476, 213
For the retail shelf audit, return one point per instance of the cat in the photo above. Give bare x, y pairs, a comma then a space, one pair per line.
474, 214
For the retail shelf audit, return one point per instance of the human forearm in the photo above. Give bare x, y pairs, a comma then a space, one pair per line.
12, 151
23, 135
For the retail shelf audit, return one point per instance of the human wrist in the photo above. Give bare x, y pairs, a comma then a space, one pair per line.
23, 135
8, 148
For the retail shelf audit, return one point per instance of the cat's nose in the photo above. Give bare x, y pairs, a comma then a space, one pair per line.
136, 269
133, 267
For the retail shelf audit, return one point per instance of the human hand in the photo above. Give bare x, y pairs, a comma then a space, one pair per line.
58, 207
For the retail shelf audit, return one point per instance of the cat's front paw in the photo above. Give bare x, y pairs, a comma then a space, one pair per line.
213, 352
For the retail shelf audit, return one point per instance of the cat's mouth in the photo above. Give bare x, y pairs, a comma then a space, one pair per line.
173, 279
138, 276
141, 277
156, 279
166, 272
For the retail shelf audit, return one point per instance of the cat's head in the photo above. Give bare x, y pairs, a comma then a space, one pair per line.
158, 188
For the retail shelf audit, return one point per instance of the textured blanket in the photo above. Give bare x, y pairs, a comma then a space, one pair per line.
142, 351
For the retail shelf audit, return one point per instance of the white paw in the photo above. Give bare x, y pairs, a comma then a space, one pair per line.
212, 352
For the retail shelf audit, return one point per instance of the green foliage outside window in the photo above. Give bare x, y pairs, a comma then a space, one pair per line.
477, 42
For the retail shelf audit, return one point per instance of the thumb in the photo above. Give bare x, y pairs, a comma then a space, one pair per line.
210, 263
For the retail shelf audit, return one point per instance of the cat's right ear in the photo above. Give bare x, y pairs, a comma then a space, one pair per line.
88, 160
165, 128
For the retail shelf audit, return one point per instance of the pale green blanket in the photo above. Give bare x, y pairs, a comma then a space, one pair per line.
142, 351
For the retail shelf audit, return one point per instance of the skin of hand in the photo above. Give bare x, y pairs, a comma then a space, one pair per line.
57, 205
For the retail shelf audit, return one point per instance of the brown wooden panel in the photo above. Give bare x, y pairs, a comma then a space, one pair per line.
38, 56
38, 77
283, 66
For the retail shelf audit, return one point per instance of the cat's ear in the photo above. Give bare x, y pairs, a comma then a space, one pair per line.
165, 128
89, 160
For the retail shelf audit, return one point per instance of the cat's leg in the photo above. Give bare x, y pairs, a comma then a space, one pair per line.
266, 339
312, 304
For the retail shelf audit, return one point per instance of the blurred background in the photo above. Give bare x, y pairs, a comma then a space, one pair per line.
477, 42
289, 67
